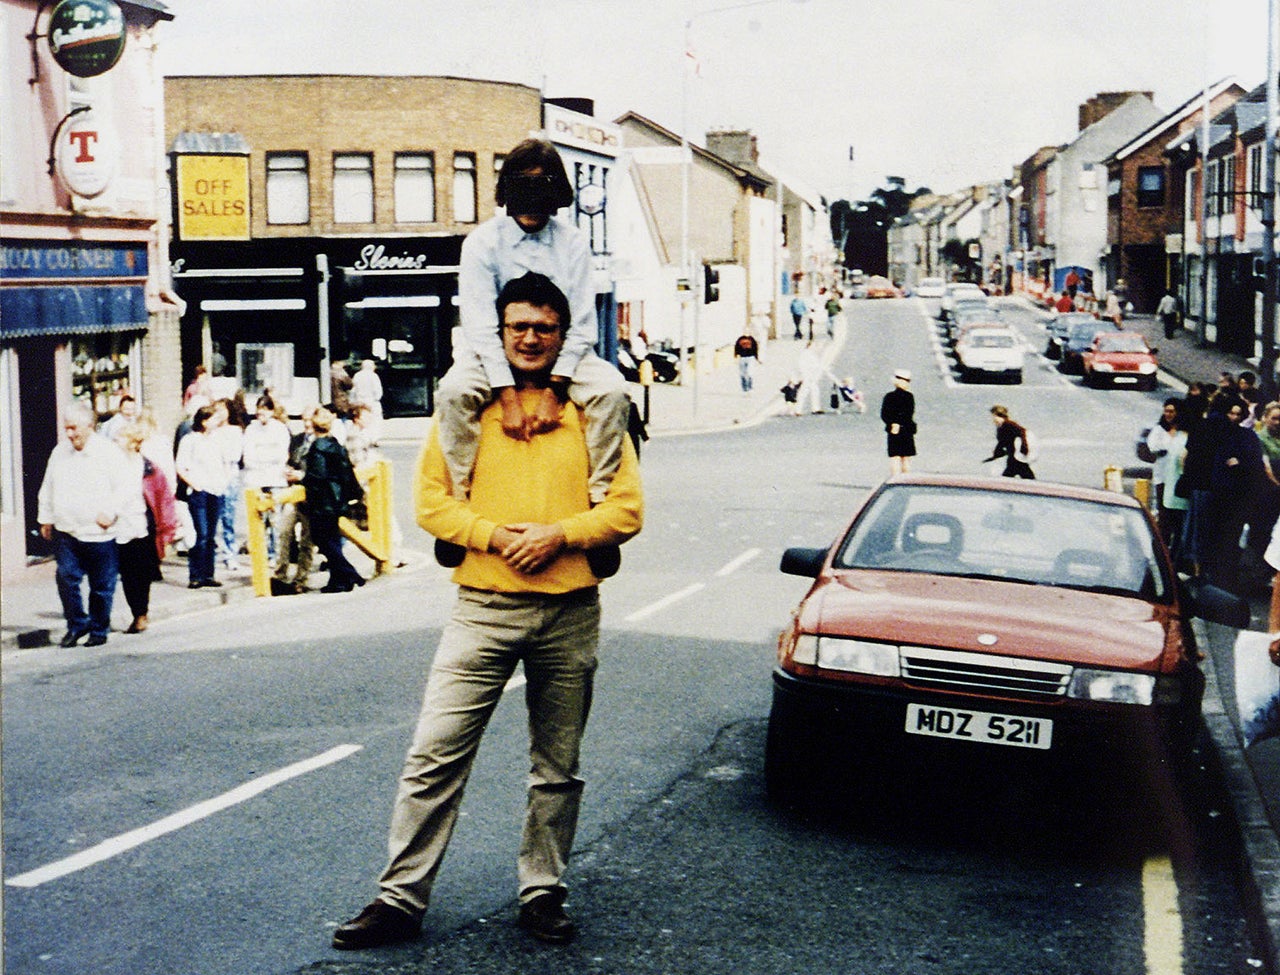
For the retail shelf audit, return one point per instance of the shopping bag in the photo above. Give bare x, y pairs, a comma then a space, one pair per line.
1257, 682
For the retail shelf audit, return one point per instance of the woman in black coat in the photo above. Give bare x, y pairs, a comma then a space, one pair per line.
898, 414
332, 489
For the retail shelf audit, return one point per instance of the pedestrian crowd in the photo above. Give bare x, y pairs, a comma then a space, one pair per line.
118, 492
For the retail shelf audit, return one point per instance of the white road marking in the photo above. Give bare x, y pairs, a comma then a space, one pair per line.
517, 681
201, 810
1162, 922
664, 602
739, 562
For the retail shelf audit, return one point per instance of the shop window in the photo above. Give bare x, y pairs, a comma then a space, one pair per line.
288, 188
262, 366
415, 187
464, 187
352, 187
100, 370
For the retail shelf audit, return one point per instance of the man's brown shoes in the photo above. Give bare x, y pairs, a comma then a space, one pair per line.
377, 925
545, 919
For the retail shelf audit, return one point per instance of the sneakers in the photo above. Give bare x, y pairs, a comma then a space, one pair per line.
545, 919
96, 640
377, 925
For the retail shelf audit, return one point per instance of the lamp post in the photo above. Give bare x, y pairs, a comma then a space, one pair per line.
688, 295
1267, 362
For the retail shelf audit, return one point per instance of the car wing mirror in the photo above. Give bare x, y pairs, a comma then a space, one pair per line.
1153, 350
803, 561
1215, 605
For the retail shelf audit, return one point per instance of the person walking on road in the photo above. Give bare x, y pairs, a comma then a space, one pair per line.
85, 489
147, 524
898, 414
799, 308
747, 351
833, 308
527, 594
1013, 443
1167, 312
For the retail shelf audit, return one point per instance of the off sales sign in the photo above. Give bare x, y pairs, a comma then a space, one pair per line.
213, 197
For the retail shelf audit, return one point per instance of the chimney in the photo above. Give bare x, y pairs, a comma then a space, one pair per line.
1103, 104
736, 147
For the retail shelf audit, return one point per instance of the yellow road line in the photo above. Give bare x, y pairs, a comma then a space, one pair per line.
1162, 921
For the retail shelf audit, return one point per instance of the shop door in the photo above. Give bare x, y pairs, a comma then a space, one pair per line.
38, 406
1236, 329
411, 349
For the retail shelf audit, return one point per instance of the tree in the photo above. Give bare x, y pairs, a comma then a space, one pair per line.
861, 230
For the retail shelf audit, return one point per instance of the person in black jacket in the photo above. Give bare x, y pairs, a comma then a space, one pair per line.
898, 414
332, 489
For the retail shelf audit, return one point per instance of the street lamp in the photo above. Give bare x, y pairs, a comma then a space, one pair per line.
686, 165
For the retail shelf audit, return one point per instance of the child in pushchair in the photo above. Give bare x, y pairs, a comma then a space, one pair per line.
847, 394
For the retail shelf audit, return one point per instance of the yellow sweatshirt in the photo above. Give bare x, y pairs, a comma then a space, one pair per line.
542, 480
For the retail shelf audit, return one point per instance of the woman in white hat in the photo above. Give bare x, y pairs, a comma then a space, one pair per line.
898, 413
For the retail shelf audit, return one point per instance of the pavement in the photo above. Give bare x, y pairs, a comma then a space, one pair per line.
713, 401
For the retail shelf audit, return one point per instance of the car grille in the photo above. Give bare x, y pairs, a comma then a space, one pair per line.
981, 673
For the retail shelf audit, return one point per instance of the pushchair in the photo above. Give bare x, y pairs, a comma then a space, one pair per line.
846, 394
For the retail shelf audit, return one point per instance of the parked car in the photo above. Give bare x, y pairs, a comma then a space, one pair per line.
968, 310
1058, 328
1120, 359
953, 292
1079, 338
881, 287
931, 288
1031, 624
989, 350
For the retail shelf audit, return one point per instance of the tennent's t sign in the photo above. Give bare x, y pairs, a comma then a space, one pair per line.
86, 37
213, 197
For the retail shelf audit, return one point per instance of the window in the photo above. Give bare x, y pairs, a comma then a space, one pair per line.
1151, 186
1213, 202
288, 190
464, 187
352, 187
1227, 189
415, 187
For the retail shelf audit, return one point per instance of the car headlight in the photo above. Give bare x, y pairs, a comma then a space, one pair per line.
806, 650
858, 656
1103, 367
1117, 686
1147, 368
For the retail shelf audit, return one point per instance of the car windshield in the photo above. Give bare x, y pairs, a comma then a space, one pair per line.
1122, 342
991, 340
1010, 537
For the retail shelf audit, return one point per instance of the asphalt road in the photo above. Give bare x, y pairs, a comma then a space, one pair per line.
147, 761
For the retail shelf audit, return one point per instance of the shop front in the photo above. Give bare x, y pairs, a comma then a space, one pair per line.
276, 314
72, 316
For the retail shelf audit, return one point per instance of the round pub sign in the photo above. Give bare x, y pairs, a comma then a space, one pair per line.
86, 37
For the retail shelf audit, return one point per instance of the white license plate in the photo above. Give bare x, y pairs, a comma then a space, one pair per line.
982, 726
1125, 379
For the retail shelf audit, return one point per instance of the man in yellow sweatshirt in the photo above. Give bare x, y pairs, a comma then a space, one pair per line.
526, 594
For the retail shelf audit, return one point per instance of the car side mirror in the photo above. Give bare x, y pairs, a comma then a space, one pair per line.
1153, 350
803, 561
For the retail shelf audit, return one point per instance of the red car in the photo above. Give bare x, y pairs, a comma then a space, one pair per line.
1027, 621
1120, 359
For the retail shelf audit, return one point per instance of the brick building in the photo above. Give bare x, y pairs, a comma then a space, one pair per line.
319, 219
1145, 202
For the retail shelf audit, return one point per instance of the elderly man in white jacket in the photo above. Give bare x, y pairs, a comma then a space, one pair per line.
86, 487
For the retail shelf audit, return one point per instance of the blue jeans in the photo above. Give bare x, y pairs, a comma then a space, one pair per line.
75, 560
231, 501
206, 509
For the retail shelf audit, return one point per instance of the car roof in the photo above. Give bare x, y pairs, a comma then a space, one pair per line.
1011, 486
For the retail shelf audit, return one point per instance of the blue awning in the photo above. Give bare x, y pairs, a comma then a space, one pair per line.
71, 310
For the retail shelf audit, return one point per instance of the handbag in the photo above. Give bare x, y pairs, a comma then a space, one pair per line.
1257, 684
1181, 488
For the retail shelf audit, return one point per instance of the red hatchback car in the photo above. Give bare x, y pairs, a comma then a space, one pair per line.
1025, 620
1120, 359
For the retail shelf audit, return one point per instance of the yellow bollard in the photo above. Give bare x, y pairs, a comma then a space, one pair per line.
1142, 491
1113, 479
256, 503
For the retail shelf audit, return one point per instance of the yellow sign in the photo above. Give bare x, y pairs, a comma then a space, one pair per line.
213, 197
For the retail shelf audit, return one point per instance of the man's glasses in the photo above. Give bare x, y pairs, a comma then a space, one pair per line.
541, 329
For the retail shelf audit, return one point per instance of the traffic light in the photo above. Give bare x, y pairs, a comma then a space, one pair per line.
710, 284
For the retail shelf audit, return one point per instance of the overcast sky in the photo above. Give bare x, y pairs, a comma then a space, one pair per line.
943, 93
